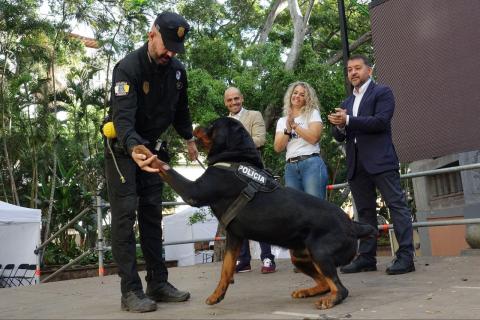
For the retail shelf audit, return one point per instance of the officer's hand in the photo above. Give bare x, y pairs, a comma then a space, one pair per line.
192, 150
143, 162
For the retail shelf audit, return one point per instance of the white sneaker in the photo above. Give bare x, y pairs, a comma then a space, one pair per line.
268, 266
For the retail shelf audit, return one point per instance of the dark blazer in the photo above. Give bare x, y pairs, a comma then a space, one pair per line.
372, 130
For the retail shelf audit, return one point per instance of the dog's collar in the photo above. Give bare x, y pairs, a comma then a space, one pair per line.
222, 164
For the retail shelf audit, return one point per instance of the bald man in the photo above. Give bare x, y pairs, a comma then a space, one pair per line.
253, 122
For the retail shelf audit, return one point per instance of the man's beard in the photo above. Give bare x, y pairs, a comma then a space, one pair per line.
164, 59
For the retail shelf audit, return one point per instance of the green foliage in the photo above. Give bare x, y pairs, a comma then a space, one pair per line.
61, 253
205, 96
383, 240
55, 255
201, 215
92, 258
222, 50
203, 53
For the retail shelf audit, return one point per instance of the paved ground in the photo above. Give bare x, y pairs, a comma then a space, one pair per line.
441, 288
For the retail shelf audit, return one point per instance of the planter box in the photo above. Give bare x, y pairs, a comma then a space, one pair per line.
78, 272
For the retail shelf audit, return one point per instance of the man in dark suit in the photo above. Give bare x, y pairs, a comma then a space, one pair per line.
364, 122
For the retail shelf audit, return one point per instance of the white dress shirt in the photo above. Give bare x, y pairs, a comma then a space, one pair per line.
358, 98
236, 115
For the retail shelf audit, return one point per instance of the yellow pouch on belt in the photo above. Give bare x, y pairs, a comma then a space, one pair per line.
109, 130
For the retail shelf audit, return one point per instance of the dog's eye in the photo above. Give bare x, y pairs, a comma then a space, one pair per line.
210, 131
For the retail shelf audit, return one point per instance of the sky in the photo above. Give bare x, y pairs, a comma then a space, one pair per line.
77, 28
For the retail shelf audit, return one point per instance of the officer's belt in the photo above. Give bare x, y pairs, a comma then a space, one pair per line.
256, 180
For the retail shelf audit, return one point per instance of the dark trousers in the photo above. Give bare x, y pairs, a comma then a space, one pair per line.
364, 194
265, 252
139, 197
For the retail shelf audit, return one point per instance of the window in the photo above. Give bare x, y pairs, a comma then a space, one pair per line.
445, 186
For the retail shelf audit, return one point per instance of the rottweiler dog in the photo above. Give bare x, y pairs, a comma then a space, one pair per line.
254, 206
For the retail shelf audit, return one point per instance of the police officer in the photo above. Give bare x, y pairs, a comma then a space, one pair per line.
149, 93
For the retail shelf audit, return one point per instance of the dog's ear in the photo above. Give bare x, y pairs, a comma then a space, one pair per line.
202, 137
232, 142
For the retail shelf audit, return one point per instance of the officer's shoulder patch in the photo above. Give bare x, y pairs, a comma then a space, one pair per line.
121, 88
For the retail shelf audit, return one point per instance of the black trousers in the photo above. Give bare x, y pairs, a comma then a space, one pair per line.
363, 186
139, 197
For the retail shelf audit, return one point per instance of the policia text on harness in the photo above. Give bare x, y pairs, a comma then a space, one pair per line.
257, 180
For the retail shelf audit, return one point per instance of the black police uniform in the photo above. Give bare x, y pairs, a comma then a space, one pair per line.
146, 99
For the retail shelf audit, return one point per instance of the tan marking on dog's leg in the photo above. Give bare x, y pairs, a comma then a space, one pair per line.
299, 256
304, 263
331, 299
228, 269
322, 287
310, 292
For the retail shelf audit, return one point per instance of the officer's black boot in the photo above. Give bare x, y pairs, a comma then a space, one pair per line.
161, 290
137, 301
166, 292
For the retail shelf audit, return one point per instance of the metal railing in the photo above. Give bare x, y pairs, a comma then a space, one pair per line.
101, 248
440, 223
419, 174
39, 250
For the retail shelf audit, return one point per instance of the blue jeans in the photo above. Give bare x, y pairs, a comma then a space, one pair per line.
265, 252
309, 175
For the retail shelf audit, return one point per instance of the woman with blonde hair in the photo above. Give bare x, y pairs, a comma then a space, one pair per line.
298, 132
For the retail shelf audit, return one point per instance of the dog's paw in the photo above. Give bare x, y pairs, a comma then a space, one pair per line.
310, 292
325, 302
213, 299
300, 293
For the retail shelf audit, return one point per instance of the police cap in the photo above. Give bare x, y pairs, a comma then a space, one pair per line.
173, 28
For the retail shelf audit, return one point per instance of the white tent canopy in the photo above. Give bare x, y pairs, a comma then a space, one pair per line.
177, 228
19, 234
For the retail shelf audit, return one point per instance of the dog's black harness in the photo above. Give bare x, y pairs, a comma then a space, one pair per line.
256, 180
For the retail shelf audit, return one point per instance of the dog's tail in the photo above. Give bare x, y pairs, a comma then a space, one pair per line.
363, 230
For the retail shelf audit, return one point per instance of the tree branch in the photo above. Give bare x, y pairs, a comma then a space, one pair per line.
277, 7
308, 13
353, 46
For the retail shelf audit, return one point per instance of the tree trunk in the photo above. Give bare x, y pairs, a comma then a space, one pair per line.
32, 146
55, 127
277, 7
54, 166
269, 115
4, 191
54, 151
10, 169
300, 24
219, 245
5, 115
107, 80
